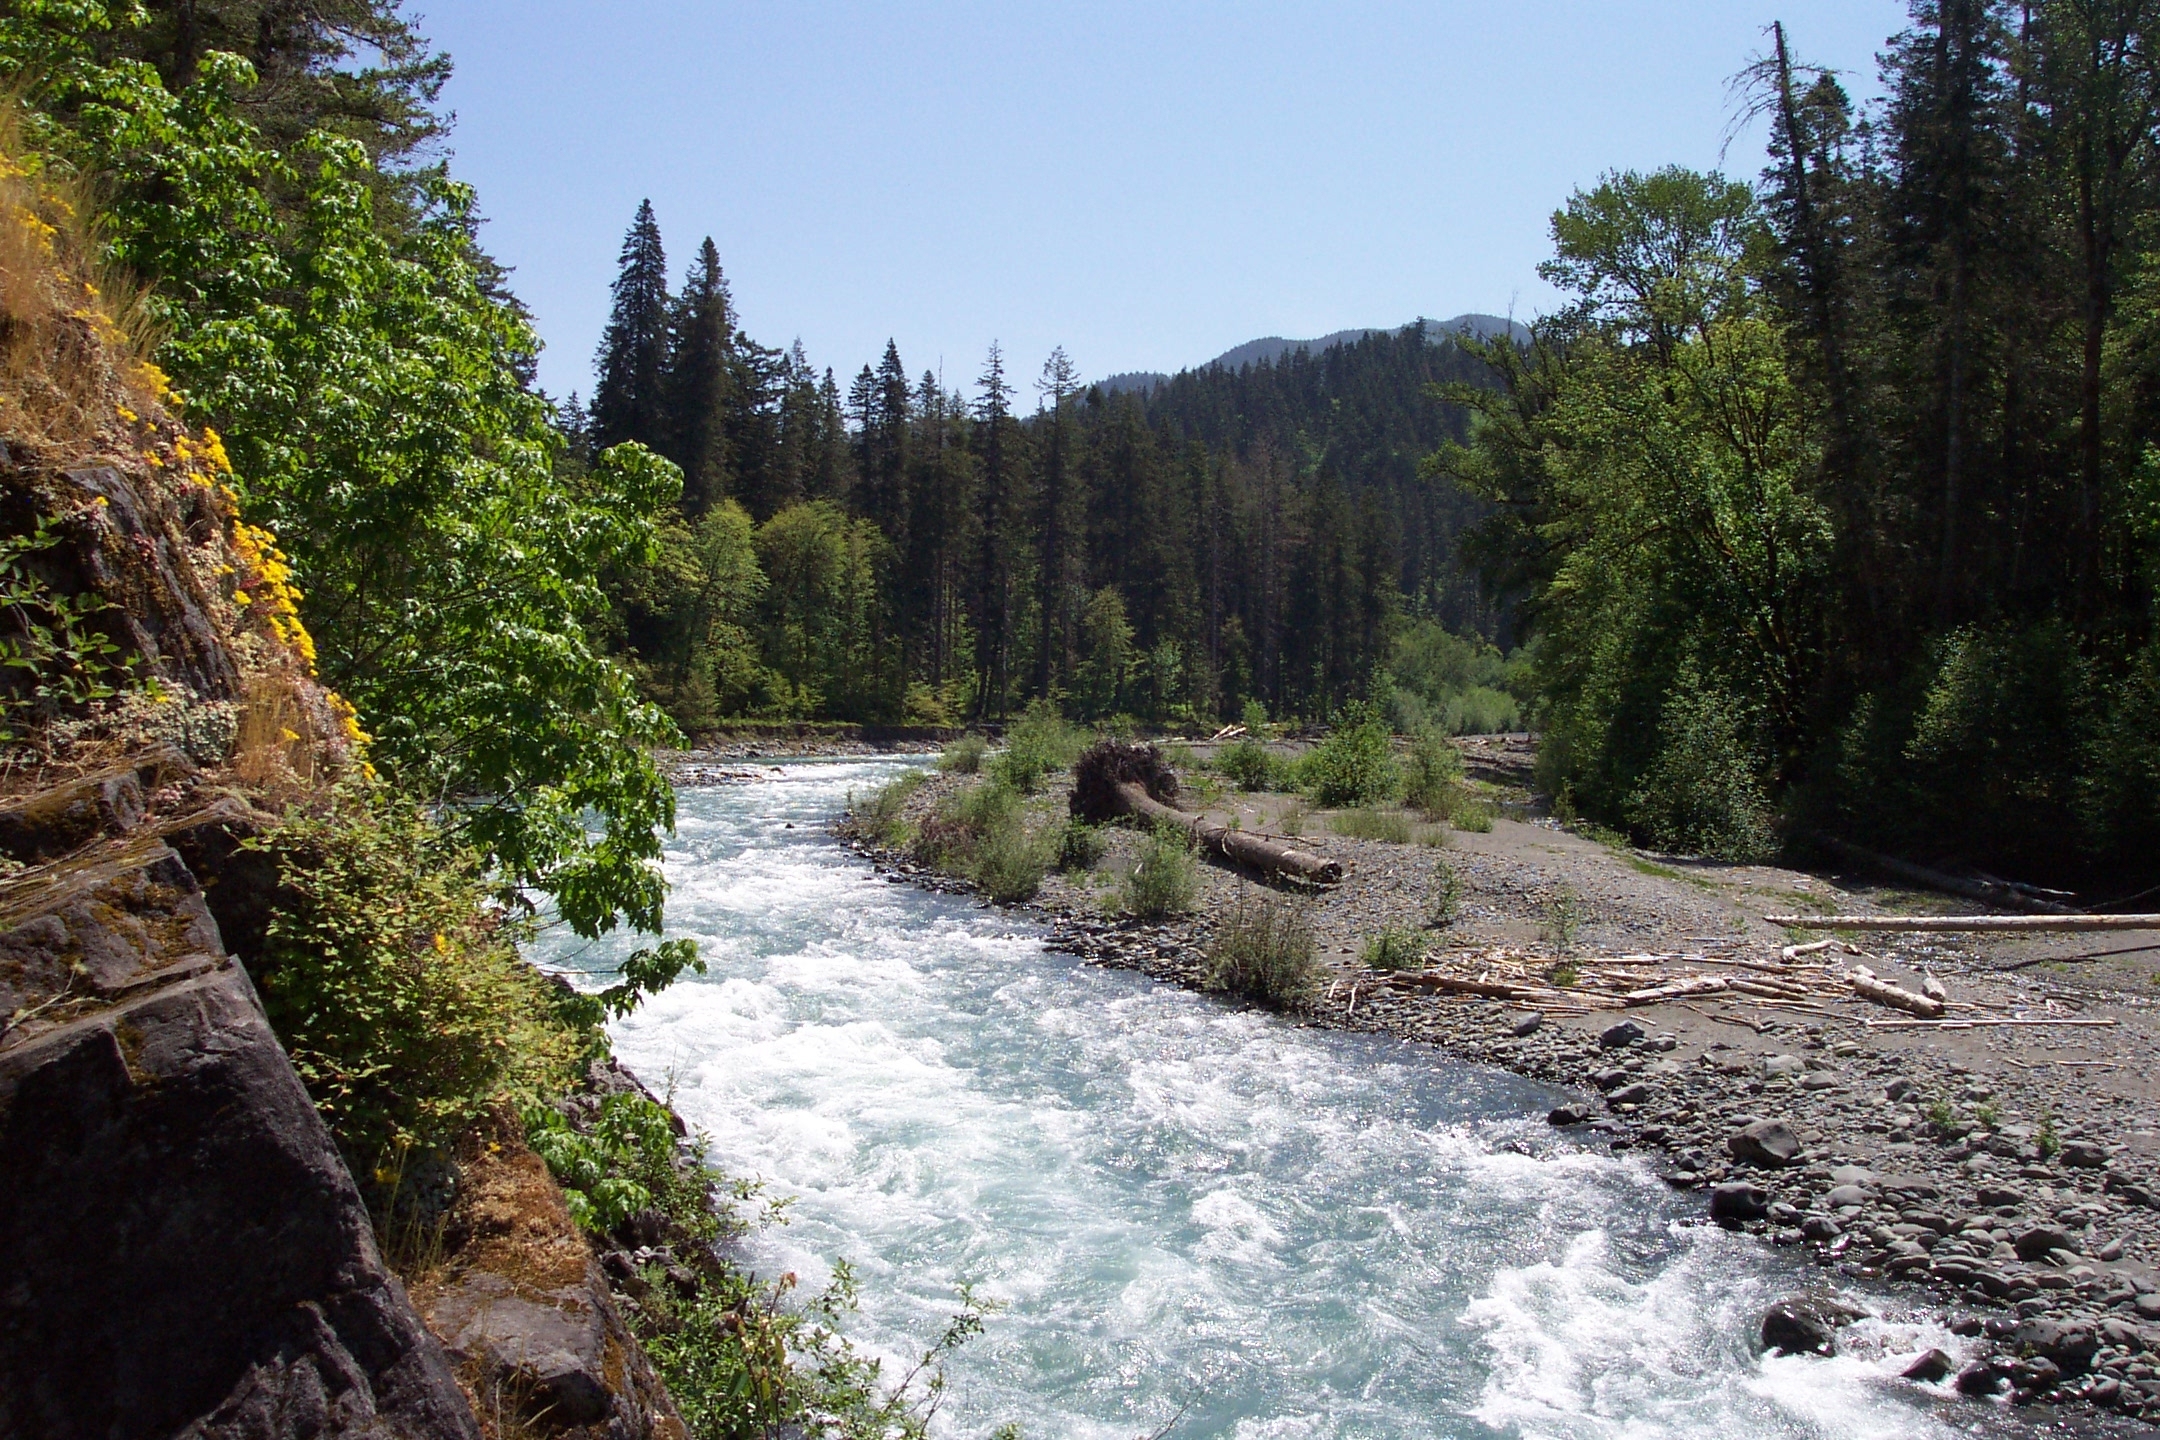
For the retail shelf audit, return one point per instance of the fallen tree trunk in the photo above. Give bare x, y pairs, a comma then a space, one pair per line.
1967, 922
2009, 897
1461, 985
1114, 779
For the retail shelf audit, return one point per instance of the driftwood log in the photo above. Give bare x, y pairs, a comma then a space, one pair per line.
1114, 779
1869, 986
2026, 923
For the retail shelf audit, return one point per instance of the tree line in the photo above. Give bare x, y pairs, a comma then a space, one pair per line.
902, 550
1831, 500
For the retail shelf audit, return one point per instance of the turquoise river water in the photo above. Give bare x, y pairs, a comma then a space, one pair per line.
1187, 1211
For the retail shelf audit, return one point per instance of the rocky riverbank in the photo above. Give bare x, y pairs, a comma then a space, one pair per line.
2009, 1170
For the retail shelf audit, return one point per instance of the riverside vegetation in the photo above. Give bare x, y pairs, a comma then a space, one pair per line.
227, 270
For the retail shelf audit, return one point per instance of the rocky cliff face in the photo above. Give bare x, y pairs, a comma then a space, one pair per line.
182, 1251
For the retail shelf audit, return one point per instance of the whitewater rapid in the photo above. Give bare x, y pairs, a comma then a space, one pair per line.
1187, 1211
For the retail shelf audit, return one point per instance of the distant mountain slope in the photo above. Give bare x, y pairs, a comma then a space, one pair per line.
1274, 347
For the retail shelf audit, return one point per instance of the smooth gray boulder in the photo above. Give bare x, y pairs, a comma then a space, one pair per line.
1768, 1143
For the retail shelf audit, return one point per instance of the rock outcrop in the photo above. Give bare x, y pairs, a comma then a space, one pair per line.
528, 1314
181, 1249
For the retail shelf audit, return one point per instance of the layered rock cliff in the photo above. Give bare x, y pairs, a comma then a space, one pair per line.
182, 1250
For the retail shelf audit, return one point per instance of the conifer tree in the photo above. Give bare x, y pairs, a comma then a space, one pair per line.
629, 401
1058, 578
699, 387
998, 535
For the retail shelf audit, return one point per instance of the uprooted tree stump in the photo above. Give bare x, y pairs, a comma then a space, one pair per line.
1114, 779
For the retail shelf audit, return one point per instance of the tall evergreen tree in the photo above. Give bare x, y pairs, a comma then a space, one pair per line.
1059, 579
629, 396
699, 386
1000, 532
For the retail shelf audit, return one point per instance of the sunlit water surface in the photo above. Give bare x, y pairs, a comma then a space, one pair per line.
1187, 1210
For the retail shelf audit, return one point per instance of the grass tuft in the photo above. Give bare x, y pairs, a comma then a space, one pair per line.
964, 756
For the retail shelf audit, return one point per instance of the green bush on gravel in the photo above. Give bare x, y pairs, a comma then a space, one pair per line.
1263, 949
878, 819
1353, 766
1248, 766
964, 756
1038, 744
1164, 878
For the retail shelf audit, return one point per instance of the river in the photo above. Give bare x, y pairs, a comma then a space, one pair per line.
1187, 1211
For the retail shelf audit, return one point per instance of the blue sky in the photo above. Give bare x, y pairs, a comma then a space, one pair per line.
1146, 185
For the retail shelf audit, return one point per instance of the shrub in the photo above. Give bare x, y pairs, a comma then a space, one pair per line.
1247, 765
1391, 826
1080, 846
1164, 878
1036, 744
1704, 793
1443, 906
1353, 765
396, 985
1563, 916
1010, 863
622, 1162
1263, 949
1292, 820
878, 819
964, 756
1433, 778
1394, 949
1482, 711
981, 832
1474, 815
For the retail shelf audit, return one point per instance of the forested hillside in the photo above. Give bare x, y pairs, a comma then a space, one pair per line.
902, 551
1833, 501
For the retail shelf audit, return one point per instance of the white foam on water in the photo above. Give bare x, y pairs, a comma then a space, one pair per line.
1186, 1210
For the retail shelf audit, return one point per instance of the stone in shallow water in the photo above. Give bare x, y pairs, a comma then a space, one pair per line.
1567, 1115
1798, 1325
1738, 1200
1929, 1368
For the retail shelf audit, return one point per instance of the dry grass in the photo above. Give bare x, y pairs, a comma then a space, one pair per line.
74, 334
279, 744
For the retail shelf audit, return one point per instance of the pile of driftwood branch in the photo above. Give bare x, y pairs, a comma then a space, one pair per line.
1622, 982
1803, 979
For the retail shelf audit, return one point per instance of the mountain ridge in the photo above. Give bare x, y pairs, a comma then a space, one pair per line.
1273, 347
